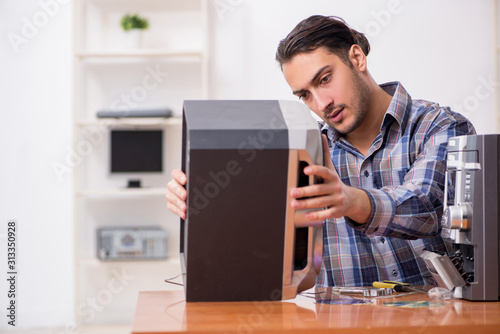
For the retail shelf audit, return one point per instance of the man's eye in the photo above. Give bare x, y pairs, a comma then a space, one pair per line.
326, 78
304, 96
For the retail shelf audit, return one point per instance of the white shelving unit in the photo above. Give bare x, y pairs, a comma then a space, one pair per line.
169, 67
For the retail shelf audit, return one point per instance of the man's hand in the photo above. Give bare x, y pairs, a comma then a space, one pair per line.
177, 194
337, 199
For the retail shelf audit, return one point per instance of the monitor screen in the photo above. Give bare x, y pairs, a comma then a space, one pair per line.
136, 151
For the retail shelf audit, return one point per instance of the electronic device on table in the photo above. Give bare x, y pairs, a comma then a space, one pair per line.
241, 239
470, 224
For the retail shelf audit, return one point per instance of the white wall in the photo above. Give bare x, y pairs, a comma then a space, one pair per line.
440, 50
35, 118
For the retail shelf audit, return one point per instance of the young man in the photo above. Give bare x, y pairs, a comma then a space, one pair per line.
383, 188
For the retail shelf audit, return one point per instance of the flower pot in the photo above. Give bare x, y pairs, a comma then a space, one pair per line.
133, 39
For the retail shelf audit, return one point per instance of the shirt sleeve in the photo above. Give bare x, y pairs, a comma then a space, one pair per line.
413, 209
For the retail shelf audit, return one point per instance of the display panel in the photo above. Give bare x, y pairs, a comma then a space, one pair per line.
136, 151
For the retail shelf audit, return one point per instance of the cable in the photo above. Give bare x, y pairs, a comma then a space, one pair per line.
169, 280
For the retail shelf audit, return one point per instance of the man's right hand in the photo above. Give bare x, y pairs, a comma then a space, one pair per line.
177, 194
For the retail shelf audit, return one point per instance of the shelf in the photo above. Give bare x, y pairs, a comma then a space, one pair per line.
176, 25
121, 192
110, 72
147, 5
136, 53
131, 122
171, 260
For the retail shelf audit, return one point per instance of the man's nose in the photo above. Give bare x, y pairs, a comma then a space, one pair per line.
323, 101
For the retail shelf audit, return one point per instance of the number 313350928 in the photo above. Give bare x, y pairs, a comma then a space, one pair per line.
11, 244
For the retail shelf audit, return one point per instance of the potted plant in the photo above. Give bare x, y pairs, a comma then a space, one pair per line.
134, 25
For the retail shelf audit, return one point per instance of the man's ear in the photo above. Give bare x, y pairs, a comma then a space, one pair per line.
357, 58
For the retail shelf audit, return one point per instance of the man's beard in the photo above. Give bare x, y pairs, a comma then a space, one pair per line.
359, 105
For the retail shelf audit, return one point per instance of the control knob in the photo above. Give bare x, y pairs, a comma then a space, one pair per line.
458, 217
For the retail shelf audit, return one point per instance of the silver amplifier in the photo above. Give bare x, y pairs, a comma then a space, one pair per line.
131, 243
470, 224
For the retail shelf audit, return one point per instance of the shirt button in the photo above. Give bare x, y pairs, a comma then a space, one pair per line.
394, 273
382, 239
367, 173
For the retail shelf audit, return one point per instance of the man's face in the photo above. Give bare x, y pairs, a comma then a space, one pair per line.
329, 87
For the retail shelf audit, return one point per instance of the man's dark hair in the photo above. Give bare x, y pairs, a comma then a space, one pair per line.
318, 31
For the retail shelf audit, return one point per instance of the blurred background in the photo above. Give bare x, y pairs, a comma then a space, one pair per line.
63, 61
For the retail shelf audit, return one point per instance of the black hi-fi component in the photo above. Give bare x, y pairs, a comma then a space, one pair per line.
241, 239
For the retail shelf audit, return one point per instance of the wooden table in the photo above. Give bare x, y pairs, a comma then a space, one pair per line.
167, 312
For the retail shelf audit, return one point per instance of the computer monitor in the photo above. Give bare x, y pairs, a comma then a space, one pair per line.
136, 151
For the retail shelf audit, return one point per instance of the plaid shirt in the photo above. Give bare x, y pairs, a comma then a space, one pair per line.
403, 174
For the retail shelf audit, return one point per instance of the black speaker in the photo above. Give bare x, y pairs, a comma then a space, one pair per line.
241, 239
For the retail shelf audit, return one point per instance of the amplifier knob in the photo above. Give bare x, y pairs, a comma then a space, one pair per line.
458, 217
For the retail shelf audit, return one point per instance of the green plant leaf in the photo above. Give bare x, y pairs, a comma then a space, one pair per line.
134, 21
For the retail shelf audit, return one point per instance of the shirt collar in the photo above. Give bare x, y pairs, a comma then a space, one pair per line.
400, 103
400, 106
